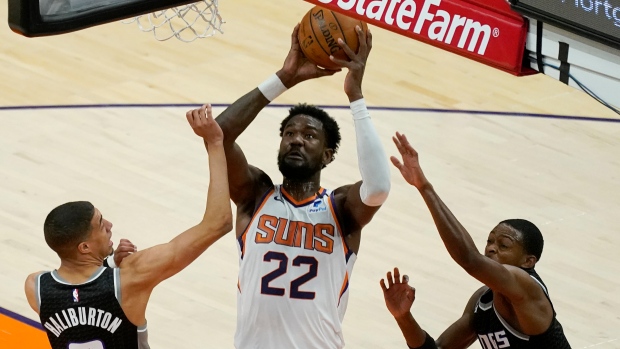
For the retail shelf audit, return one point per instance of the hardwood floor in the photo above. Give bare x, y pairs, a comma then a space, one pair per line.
146, 171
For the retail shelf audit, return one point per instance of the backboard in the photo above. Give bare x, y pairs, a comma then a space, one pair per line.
34, 18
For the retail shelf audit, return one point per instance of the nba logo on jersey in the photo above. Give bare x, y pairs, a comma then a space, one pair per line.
76, 296
317, 206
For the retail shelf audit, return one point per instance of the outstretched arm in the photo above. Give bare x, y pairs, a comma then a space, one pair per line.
236, 118
364, 198
457, 240
143, 270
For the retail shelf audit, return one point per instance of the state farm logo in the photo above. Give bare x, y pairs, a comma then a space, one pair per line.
428, 20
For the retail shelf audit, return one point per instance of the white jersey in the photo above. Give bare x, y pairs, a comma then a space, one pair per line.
294, 274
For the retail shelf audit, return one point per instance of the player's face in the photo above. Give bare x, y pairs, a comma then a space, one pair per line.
505, 245
302, 148
101, 235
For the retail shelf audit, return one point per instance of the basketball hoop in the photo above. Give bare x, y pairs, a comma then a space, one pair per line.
187, 23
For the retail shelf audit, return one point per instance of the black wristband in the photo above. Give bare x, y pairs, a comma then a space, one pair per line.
429, 343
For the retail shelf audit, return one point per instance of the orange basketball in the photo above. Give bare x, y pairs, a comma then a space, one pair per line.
319, 32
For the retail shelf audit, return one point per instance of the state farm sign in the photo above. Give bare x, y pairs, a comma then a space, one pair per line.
484, 34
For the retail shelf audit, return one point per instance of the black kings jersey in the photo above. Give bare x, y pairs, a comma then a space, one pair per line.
495, 333
87, 315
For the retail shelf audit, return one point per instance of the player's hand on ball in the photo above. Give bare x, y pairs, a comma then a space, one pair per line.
297, 67
356, 64
202, 122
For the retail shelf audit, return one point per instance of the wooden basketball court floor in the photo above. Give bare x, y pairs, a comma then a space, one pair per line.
494, 145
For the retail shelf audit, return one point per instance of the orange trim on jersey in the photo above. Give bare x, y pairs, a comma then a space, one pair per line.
302, 202
245, 232
345, 247
345, 285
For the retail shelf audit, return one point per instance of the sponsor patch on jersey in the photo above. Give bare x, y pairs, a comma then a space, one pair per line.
76, 296
317, 206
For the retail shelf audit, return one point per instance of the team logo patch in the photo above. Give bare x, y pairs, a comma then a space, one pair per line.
317, 206
76, 296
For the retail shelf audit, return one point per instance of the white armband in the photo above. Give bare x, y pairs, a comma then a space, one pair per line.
272, 87
110, 260
373, 163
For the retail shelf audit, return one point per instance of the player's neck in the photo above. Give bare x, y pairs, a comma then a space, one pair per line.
301, 189
77, 271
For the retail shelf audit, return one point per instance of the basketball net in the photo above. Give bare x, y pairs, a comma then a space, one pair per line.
187, 23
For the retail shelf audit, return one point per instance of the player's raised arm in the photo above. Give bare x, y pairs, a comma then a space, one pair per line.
504, 279
365, 197
237, 117
143, 270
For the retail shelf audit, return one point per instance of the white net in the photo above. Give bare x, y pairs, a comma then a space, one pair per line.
186, 23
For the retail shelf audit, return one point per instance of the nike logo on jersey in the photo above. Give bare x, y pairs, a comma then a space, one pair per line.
318, 237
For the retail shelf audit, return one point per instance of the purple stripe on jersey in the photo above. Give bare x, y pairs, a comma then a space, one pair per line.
344, 234
241, 247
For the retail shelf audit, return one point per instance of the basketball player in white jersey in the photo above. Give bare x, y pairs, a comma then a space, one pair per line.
297, 240
84, 305
512, 309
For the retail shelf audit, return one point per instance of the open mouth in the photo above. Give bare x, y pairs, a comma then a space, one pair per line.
294, 155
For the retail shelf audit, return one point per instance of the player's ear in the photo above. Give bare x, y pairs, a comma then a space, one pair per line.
84, 247
530, 261
328, 156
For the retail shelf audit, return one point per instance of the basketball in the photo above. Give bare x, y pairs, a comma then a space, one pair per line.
319, 32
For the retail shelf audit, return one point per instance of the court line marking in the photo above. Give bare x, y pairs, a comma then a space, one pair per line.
597, 344
402, 109
21, 318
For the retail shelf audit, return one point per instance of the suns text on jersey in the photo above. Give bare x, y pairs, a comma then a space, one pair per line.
319, 237
82, 316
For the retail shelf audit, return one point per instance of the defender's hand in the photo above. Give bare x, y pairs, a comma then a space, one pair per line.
202, 122
399, 296
410, 167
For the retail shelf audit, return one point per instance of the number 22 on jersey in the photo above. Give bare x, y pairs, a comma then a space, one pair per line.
283, 264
